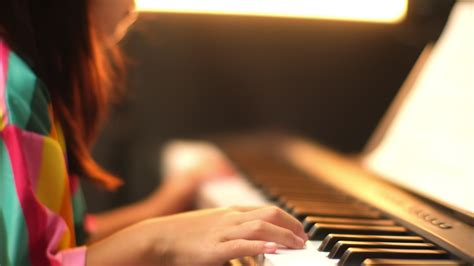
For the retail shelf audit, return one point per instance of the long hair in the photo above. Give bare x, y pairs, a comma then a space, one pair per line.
59, 40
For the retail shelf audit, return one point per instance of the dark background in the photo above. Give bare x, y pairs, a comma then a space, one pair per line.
195, 75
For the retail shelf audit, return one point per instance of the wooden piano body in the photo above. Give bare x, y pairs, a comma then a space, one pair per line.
327, 190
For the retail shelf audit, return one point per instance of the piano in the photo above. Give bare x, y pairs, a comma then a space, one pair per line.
354, 215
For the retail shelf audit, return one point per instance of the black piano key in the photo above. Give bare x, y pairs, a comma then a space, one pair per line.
282, 186
319, 231
342, 209
324, 205
311, 220
287, 198
303, 194
331, 239
321, 201
338, 250
301, 213
291, 187
405, 262
355, 256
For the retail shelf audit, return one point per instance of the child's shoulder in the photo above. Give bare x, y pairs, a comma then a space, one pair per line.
24, 100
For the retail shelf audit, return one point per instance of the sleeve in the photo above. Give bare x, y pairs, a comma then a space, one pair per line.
36, 217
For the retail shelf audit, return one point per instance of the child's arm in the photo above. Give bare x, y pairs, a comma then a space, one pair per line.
206, 237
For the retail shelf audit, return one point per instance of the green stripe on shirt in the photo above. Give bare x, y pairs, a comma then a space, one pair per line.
13, 230
39, 121
20, 90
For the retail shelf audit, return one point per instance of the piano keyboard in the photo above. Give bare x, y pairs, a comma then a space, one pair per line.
342, 229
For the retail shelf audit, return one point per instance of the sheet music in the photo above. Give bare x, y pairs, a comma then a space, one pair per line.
429, 146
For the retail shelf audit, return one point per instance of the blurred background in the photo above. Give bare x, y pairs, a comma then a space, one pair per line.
195, 75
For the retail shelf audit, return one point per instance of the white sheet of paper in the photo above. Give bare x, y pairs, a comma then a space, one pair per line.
429, 146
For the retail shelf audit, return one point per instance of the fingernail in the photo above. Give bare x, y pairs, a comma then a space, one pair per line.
306, 238
300, 241
270, 247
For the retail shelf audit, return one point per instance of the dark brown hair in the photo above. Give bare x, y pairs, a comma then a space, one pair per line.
58, 39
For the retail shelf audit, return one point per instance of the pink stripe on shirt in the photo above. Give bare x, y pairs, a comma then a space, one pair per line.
34, 145
4, 53
72, 257
36, 216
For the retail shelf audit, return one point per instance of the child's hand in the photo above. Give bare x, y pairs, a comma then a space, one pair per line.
199, 161
207, 237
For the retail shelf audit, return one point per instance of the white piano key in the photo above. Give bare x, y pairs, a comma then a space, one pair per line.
301, 257
229, 191
237, 191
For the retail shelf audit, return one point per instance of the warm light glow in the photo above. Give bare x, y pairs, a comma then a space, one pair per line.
386, 11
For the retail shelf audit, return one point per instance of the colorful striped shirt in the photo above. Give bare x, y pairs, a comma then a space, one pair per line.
41, 205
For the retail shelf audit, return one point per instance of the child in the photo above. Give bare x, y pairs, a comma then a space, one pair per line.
55, 86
